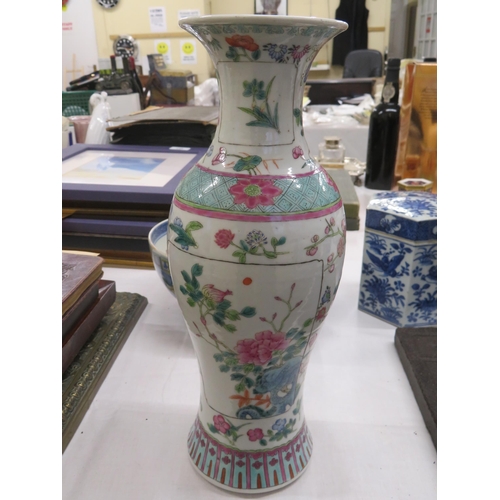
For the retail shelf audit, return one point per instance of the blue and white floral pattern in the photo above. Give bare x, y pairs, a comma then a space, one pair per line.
399, 269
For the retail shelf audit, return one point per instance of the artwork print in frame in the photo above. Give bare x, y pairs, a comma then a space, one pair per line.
271, 7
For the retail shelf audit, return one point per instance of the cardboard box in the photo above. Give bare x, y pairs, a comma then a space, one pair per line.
170, 87
417, 147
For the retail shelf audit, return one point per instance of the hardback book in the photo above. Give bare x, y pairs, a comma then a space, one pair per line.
80, 333
80, 308
84, 376
79, 271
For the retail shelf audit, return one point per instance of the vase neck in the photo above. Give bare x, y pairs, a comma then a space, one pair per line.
262, 66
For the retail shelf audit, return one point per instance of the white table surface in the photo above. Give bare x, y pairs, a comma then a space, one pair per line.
370, 441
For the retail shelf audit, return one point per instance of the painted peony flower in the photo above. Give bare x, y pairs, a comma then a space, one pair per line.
255, 434
259, 351
220, 424
253, 192
297, 152
224, 237
244, 41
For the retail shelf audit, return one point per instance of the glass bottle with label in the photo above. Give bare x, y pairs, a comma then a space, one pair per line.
383, 133
331, 153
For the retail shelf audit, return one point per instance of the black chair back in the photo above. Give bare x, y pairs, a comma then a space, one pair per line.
364, 63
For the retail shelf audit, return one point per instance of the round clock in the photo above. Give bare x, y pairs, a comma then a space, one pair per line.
107, 4
125, 46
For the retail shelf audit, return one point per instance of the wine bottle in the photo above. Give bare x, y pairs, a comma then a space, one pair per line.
383, 133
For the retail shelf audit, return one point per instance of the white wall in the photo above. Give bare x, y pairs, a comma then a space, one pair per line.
79, 44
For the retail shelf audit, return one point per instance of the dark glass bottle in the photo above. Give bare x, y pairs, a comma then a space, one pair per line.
383, 133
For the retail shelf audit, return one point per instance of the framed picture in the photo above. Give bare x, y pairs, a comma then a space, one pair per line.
130, 177
271, 7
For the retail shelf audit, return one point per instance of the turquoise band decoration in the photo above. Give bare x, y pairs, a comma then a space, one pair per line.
258, 195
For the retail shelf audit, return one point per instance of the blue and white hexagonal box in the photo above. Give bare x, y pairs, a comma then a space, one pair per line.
399, 270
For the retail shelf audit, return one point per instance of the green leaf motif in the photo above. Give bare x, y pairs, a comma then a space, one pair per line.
219, 318
247, 163
248, 312
191, 302
232, 315
224, 368
197, 270
256, 54
230, 328
193, 226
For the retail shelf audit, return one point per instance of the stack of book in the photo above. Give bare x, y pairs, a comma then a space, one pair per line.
96, 322
86, 298
113, 195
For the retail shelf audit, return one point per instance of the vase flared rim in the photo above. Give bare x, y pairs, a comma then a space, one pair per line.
271, 20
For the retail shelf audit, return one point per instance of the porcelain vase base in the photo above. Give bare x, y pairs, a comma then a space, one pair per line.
249, 471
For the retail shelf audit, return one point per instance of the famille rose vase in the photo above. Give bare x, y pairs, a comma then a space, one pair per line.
255, 245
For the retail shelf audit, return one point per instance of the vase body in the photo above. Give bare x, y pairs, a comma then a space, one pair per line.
256, 243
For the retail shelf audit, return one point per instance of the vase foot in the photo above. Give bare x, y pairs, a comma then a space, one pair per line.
249, 471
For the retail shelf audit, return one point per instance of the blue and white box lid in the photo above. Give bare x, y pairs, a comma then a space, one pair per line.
406, 214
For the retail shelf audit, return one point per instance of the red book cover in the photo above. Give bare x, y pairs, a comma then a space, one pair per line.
76, 338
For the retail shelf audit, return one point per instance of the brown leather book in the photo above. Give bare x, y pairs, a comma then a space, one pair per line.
80, 307
79, 271
76, 338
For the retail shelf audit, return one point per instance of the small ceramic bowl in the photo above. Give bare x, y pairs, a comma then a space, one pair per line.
157, 239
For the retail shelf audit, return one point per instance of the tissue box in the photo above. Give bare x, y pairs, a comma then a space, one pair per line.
399, 269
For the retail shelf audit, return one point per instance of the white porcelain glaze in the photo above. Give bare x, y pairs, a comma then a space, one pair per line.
256, 244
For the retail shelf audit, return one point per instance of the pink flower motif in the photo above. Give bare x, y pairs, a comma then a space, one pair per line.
224, 237
343, 225
220, 424
226, 460
341, 247
312, 251
273, 462
255, 434
257, 465
253, 192
298, 54
210, 292
297, 152
321, 314
220, 157
259, 351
